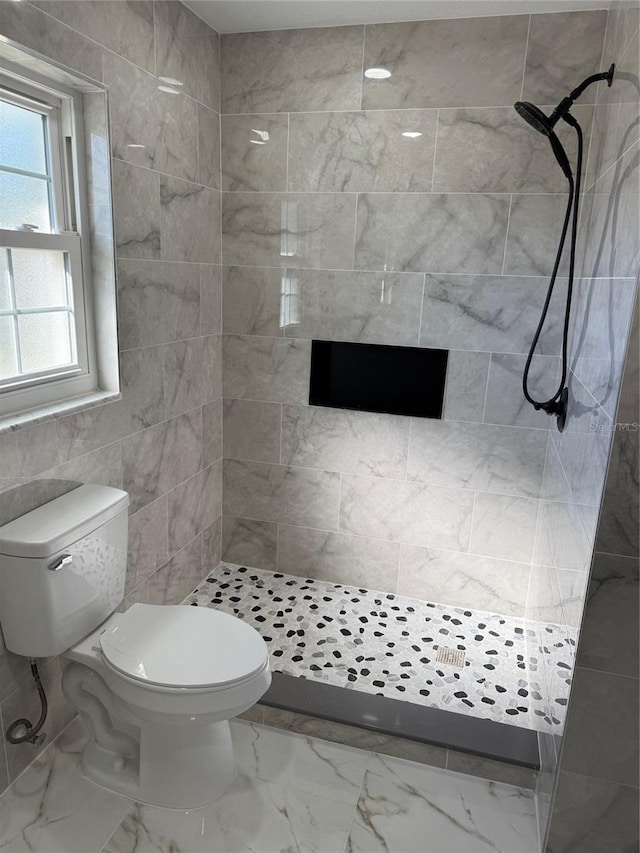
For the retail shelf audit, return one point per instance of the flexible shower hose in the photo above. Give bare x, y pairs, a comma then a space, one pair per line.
551, 406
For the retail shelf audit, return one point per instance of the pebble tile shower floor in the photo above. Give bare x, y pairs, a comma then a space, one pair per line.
389, 645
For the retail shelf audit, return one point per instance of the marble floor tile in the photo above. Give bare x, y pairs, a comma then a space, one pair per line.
52, 808
251, 817
314, 766
404, 808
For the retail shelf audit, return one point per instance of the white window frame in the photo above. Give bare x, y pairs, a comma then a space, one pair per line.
70, 234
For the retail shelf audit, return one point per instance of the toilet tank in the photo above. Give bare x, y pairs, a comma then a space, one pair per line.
62, 569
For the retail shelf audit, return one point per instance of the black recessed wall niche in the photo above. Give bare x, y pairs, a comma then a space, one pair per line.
377, 378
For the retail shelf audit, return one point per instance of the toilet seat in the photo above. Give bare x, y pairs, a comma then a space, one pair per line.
174, 646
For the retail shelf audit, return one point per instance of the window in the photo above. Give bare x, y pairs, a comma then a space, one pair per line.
46, 350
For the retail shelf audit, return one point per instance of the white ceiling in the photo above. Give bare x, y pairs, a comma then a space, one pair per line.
239, 16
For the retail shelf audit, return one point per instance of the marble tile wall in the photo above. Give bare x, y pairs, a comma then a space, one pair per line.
584, 507
162, 441
337, 226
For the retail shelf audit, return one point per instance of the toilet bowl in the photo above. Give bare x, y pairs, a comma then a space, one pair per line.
156, 685
169, 678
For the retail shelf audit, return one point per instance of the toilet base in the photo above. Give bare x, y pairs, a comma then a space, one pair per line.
179, 767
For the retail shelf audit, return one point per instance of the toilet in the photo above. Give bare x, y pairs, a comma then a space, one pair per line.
156, 685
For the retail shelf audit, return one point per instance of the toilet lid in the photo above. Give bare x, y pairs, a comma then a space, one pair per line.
181, 646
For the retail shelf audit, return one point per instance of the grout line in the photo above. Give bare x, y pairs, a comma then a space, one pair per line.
355, 233
435, 148
506, 236
424, 288
526, 52
364, 41
288, 151
473, 514
486, 392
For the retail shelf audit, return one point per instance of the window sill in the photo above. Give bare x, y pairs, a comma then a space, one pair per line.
52, 411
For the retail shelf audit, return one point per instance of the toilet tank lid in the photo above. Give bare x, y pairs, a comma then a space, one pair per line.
61, 522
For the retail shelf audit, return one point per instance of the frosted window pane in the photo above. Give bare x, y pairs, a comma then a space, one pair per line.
44, 340
39, 278
24, 200
5, 302
22, 139
8, 363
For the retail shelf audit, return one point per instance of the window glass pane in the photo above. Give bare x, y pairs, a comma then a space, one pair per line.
5, 302
39, 278
24, 200
44, 340
22, 139
8, 363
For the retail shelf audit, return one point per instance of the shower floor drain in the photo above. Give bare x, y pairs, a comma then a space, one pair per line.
452, 657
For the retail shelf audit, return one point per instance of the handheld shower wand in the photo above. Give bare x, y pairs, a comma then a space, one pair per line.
534, 116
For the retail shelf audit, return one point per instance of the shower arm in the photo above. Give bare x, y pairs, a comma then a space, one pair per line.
566, 103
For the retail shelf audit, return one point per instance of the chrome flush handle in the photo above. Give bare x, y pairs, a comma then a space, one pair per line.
60, 563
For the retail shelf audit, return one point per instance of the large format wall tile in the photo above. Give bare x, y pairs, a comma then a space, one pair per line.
347, 441
266, 369
494, 150
148, 542
535, 224
609, 238
477, 456
338, 558
613, 749
498, 586
208, 148
276, 229
252, 430
562, 541
151, 128
254, 152
407, 512
187, 51
592, 815
615, 123
505, 401
292, 70
492, 313
612, 601
141, 405
365, 307
466, 385
362, 151
193, 506
280, 494
28, 26
212, 432
563, 48
504, 527
136, 199
192, 373
431, 233
210, 300
446, 63
253, 300
125, 28
190, 215
250, 543
159, 302
158, 459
